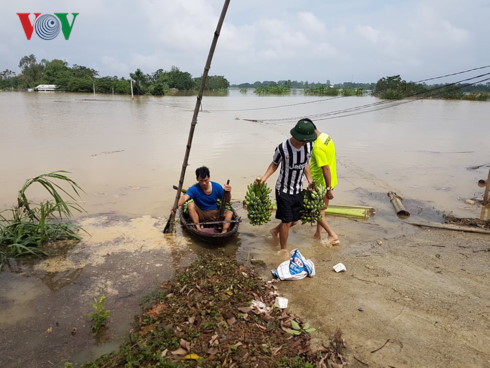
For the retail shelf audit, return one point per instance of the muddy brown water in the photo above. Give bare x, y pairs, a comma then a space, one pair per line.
126, 155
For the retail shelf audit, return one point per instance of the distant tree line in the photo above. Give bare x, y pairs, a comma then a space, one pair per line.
82, 79
284, 87
392, 88
395, 88
79, 78
306, 85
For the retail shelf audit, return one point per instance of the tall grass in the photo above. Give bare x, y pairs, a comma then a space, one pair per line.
31, 225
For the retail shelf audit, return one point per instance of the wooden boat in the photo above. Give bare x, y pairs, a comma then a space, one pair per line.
211, 230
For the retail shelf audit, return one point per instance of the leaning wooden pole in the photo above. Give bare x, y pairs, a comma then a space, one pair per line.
170, 223
487, 190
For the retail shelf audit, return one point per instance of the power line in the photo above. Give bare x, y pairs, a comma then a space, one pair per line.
450, 75
280, 106
333, 98
380, 105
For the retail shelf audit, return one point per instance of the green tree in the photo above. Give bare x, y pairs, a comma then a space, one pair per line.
391, 88
80, 85
141, 81
32, 71
83, 72
160, 88
180, 80
8, 80
450, 92
56, 72
106, 84
122, 87
213, 83
157, 75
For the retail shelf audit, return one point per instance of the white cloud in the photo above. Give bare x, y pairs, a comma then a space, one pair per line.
310, 22
117, 67
261, 40
433, 26
369, 33
180, 25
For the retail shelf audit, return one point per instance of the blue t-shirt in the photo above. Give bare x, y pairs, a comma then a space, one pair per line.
205, 201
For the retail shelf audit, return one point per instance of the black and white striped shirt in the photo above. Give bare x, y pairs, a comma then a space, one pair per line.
293, 163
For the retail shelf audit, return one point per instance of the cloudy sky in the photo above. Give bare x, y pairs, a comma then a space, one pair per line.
303, 40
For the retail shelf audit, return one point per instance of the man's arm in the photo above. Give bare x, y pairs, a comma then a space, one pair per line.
183, 199
227, 193
309, 178
328, 180
270, 170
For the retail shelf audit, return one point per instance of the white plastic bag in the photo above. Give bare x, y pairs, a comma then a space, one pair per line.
296, 268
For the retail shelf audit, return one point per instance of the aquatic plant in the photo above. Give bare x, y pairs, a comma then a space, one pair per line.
31, 225
272, 90
322, 90
352, 92
477, 96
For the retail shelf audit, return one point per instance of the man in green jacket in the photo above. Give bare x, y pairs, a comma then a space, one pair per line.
324, 171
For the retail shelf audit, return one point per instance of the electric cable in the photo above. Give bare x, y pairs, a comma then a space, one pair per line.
380, 105
362, 106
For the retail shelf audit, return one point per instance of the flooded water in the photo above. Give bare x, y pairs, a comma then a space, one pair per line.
126, 154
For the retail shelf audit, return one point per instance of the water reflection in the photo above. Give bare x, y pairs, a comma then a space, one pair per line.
57, 280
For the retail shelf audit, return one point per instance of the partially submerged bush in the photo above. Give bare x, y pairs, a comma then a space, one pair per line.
31, 225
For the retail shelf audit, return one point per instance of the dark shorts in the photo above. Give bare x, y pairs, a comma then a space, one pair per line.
211, 215
288, 206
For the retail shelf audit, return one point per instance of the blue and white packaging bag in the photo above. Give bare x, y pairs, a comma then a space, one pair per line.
296, 268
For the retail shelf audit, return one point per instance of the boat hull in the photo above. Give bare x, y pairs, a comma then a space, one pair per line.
211, 233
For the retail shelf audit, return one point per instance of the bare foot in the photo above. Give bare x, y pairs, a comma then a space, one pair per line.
283, 254
317, 237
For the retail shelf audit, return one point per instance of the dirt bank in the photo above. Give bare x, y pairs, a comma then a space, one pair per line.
416, 297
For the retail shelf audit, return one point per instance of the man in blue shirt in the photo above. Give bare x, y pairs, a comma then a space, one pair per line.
204, 195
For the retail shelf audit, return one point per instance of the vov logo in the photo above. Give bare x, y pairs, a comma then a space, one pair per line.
47, 26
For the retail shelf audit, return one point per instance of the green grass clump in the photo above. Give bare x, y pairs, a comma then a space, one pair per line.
31, 225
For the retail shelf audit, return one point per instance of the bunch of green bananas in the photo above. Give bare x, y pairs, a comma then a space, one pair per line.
227, 204
258, 203
187, 204
312, 204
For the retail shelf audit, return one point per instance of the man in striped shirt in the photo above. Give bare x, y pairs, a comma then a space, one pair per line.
293, 155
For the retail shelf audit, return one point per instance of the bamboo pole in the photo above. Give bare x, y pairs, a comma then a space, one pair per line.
170, 223
451, 227
487, 189
396, 201
350, 211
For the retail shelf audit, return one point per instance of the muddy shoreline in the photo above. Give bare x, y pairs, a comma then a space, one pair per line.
419, 293
421, 297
